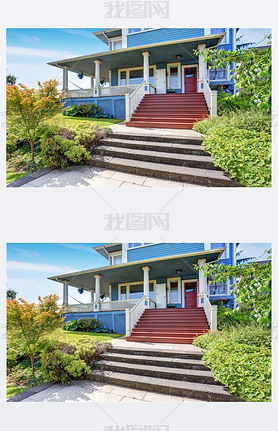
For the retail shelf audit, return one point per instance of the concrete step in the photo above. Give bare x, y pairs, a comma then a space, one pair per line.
193, 149
157, 137
199, 176
157, 353
193, 364
190, 160
188, 375
167, 386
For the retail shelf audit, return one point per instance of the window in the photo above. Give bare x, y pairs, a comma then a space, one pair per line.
123, 293
218, 75
136, 291
135, 76
116, 258
115, 43
218, 289
151, 77
123, 80
174, 292
134, 30
174, 77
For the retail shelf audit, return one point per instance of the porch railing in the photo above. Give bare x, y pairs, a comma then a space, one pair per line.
102, 306
120, 90
132, 316
211, 312
132, 100
210, 96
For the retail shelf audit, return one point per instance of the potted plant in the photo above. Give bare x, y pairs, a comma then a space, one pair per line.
80, 75
170, 305
80, 290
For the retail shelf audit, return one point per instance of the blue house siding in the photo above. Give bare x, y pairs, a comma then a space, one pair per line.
114, 77
109, 105
229, 47
113, 320
161, 250
162, 35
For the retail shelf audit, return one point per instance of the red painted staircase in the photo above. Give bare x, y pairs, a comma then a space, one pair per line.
170, 111
170, 325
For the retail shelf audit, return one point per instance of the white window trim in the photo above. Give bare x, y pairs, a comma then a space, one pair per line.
187, 66
190, 280
228, 78
132, 284
114, 254
178, 65
144, 245
142, 31
114, 40
128, 69
169, 280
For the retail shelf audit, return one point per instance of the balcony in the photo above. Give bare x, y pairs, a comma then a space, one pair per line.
120, 90
102, 306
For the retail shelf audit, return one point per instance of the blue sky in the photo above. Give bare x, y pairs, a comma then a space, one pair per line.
29, 265
29, 51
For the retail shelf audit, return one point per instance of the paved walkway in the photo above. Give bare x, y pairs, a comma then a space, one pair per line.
182, 348
86, 176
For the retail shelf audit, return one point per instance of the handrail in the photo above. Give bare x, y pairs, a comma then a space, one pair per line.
211, 313
134, 314
132, 101
211, 97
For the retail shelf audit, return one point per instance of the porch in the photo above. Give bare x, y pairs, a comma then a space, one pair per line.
131, 288
133, 72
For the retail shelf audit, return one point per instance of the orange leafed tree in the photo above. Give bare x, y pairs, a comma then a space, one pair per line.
28, 322
28, 108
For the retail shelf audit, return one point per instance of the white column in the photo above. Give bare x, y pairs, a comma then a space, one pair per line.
213, 324
146, 270
97, 72
202, 67
65, 78
97, 287
65, 294
92, 296
92, 80
146, 66
202, 283
127, 322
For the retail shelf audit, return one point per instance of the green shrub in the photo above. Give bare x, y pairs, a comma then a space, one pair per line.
227, 102
240, 358
83, 325
58, 152
82, 110
240, 144
227, 317
62, 362
70, 111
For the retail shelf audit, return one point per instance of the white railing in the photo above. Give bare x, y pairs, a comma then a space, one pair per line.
211, 313
120, 90
102, 306
132, 316
132, 100
210, 96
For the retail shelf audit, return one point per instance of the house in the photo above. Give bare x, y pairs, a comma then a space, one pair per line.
153, 76
153, 287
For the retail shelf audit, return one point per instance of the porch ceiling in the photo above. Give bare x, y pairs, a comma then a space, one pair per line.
164, 52
132, 271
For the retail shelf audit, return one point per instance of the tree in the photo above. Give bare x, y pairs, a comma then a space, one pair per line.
11, 294
252, 285
28, 108
29, 322
252, 71
10, 79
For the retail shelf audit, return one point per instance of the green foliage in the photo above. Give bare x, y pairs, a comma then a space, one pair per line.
83, 325
227, 102
62, 362
252, 71
82, 110
252, 287
227, 317
240, 144
240, 358
58, 152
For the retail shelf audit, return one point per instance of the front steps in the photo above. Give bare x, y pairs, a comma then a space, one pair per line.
173, 111
168, 372
170, 325
172, 158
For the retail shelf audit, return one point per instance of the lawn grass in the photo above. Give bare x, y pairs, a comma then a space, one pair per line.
76, 335
14, 390
77, 121
12, 176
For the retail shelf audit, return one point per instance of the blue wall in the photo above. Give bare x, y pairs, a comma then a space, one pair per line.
160, 250
162, 35
113, 320
109, 105
227, 46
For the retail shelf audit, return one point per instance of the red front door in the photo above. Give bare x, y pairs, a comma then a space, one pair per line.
190, 80
190, 290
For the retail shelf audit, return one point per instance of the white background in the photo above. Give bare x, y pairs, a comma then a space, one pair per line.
77, 215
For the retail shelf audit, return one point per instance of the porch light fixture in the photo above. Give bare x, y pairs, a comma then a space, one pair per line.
178, 56
178, 271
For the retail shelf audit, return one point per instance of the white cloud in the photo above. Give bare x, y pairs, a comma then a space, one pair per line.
79, 32
43, 53
25, 38
39, 267
82, 247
